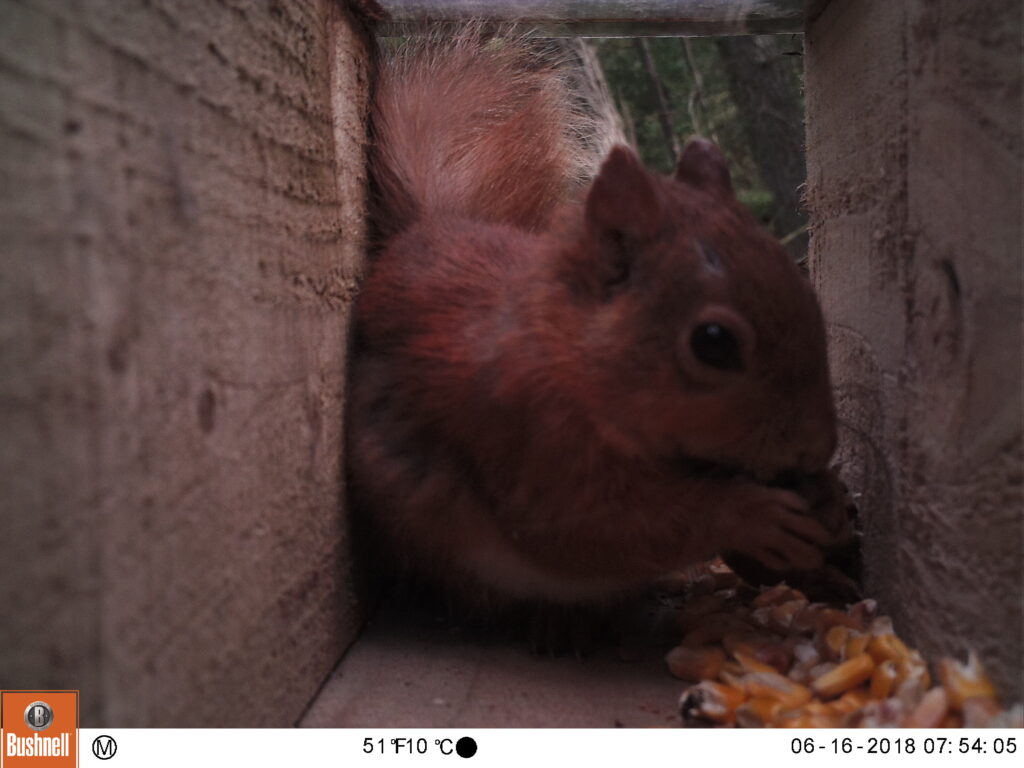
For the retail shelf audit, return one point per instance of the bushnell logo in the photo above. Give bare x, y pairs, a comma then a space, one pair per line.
38, 729
38, 716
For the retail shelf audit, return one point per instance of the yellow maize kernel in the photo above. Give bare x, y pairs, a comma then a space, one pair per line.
913, 668
1009, 718
711, 628
856, 644
952, 720
805, 621
964, 681
847, 675
758, 712
752, 664
734, 680
815, 707
978, 711
772, 685
781, 616
723, 575
709, 700
780, 593
930, 711
732, 667
695, 664
851, 701
881, 625
777, 655
746, 640
822, 668
699, 607
864, 612
810, 721
834, 641
883, 680
883, 647
761, 617
831, 617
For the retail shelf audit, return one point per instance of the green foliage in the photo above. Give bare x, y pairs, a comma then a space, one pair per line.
636, 99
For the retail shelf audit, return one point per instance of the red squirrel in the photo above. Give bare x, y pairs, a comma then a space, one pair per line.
561, 391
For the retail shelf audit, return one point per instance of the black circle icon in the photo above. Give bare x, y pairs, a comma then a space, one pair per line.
465, 747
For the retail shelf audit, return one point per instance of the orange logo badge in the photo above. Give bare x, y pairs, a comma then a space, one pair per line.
39, 729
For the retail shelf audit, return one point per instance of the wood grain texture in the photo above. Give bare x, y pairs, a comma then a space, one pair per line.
603, 18
182, 228
914, 157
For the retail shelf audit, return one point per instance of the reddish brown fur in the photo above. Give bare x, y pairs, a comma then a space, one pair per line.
508, 116
517, 410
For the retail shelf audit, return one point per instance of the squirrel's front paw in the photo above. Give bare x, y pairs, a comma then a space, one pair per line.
772, 526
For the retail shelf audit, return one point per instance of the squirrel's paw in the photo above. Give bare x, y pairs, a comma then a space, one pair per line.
772, 526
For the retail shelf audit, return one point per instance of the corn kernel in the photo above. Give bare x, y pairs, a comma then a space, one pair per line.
780, 616
779, 661
772, 685
913, 668
780, 593
883, 680
805, 621
847, 675
695, 664
881, 625
856, 644
831, 617
864, 612
930, 711
810, 721
887, 647
979, 711
698, 608
964, 681
709, 700
833, 642
752, 664
758, 712
952, 720
851, 701
1010, 718
712, 628
777, 655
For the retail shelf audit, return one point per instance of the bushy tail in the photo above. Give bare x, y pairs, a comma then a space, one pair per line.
477, 125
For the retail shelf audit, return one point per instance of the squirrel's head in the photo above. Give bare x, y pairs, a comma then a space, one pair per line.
694, 325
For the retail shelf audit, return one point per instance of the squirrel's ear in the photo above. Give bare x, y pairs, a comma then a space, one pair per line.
702, 165
623, 198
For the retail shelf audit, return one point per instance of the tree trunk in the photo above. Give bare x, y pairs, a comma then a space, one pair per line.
765, 92
702, 124
664, 115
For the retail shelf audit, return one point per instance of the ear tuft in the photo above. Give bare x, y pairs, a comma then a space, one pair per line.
624, 197
702, 165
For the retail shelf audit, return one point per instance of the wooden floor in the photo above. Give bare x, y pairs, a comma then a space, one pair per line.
421, 671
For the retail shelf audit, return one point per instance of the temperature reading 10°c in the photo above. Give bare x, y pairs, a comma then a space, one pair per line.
398, 745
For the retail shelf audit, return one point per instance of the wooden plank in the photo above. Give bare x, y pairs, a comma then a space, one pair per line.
181, 219
603, 18
410, 669
916, 250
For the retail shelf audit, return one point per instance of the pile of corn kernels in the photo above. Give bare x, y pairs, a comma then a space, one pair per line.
771, 658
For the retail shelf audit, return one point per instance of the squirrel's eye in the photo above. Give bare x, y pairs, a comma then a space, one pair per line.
716, 346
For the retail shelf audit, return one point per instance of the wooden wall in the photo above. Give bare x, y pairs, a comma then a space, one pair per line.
181, 229
914, 187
